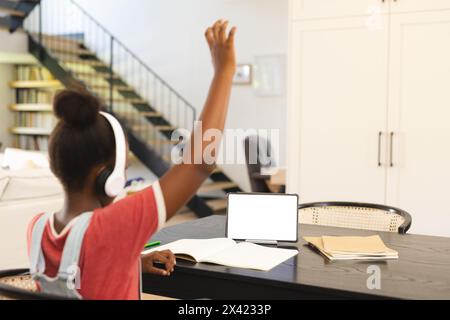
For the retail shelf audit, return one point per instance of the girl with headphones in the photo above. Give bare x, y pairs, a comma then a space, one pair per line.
91, 248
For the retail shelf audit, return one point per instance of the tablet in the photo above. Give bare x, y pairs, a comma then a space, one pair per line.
262, 217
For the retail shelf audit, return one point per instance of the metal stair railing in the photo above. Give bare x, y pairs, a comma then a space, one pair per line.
75, 46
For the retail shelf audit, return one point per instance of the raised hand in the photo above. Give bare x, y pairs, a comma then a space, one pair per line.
214, 115
222, 49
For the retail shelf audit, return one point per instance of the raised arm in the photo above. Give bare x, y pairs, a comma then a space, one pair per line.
181, 182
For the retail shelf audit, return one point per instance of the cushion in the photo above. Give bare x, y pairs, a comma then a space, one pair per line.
17, 159
28, 184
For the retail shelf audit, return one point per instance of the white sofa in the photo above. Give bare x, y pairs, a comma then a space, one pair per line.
23, 195
14, 219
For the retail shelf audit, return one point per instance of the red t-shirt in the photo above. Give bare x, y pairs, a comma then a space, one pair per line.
110, 254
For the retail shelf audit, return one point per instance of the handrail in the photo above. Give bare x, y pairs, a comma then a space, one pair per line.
138, 59
82, 47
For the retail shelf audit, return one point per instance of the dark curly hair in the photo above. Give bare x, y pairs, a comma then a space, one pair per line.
81, 140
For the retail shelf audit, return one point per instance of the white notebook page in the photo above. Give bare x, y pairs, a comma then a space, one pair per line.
198, 249
251, 256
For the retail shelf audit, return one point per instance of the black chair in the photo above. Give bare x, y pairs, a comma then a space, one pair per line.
18, 285
258, 154
352, 215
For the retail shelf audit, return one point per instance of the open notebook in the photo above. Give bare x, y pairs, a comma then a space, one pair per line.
228, 253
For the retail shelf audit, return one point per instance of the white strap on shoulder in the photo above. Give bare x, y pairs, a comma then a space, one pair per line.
37, 261
72, 249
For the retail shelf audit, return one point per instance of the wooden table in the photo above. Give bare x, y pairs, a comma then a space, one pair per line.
422, 272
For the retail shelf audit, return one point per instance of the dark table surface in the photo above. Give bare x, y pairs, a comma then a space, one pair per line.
421, 272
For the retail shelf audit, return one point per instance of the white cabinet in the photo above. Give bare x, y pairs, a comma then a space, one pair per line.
419, 105
398, 6
348, 82
322, 9
339, 81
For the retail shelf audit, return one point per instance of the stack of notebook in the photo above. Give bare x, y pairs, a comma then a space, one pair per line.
352, 248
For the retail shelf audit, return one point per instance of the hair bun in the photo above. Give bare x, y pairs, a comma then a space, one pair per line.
76, 108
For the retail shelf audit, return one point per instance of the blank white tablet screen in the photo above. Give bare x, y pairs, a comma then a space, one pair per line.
262, 217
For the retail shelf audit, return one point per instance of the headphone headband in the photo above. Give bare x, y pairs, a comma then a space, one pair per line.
116, 180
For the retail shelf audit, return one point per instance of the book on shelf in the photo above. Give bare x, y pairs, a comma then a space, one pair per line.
44, 120
34, 96
34, 89
34, 143
33, 73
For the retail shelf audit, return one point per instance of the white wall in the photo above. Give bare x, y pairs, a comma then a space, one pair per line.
168, 36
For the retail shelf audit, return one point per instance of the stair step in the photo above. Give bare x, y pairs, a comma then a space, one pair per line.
118, 88
60, 46
162, 142
91, 63
58, 39
121, 98
150, 114
165, 128
217, 205
147, 127
102, 75
12, 12
216, 186
217, 170
127, 101
168, 158
132, 116
70, 51
143, 127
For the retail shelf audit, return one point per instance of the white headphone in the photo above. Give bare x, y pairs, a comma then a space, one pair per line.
113, 183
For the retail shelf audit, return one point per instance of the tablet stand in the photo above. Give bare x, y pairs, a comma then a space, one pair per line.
263, 242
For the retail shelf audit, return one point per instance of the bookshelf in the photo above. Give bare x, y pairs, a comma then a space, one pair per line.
34, 88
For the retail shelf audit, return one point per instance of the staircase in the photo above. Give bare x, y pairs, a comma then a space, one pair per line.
78, 50
14, 12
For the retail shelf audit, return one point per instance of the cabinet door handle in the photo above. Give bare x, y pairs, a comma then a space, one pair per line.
392, 150
380, 135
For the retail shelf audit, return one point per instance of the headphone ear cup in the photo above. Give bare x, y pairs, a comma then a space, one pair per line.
100, 182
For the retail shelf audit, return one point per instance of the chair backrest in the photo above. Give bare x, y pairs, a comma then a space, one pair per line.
256, 150
355, 216
19, 285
